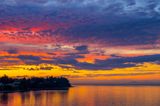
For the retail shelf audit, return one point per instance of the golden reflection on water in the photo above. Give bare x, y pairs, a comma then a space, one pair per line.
86, 96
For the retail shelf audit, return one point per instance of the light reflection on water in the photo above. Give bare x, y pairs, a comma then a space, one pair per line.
86, 96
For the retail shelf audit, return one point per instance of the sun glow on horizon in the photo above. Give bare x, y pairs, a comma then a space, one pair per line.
142, 72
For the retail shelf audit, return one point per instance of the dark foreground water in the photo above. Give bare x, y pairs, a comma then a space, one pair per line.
86, 96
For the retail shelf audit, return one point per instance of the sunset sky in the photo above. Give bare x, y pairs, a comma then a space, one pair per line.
93, 41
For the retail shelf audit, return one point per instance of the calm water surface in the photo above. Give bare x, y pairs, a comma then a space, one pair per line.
86, 96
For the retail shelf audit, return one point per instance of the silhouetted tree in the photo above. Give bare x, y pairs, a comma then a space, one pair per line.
33, 83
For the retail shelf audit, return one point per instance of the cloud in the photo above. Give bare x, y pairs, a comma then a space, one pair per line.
128, 22
79, 29
126, 74
118, 62
12, 51
30, 57
82, 48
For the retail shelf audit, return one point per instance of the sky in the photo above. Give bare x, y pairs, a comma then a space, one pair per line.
87, 41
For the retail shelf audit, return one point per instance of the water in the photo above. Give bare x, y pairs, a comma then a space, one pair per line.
86, 96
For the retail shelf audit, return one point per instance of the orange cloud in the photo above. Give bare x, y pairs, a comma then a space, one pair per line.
90, 58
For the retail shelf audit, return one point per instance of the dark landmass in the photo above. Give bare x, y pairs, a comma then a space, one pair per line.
35, 83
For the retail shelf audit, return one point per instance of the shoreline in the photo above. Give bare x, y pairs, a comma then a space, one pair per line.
116, 85
28, 90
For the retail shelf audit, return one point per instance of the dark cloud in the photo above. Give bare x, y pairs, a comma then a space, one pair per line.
126, 74
12, 51
128, 22
119, 62
82, 48
107, 22
29, 57
133, 32
111, 63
